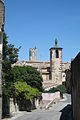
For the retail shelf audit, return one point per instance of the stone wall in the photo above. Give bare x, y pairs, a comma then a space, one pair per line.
33, 54
1, 40
50, 96
75, 69
56, 65
1, 14
43, 67
66, 66
23, 105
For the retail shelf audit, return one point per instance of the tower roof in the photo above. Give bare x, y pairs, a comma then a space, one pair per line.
56, 48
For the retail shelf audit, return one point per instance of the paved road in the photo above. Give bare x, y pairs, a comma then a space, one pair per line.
54, 113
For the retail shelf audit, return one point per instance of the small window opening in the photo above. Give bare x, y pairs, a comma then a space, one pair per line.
57, 54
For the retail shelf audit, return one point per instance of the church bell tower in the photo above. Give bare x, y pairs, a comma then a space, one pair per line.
56, 64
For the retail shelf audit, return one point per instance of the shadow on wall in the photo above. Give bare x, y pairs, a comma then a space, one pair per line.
66, 113
26, 105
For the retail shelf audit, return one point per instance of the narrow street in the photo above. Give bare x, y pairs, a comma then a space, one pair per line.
56, 112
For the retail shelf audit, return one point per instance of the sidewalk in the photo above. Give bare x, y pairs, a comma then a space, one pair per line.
56, 106
15, 115
64, 98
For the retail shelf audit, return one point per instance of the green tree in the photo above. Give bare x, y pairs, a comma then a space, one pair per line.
62, 89
18, 82
10, 56
52, 90
24, 91
27, 74
11, 75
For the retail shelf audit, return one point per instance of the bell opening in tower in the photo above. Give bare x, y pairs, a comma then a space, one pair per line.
57, 53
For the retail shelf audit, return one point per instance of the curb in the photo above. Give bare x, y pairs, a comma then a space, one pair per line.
18, 114
64, 98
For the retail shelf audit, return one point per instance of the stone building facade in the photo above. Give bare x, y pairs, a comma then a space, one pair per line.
53, 71
1, 41
56, 64
1, 14
75, 71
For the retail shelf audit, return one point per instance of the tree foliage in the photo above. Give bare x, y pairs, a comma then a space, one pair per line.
24, 91
10, 56
29, 75
51, 90
61, 88
18, 82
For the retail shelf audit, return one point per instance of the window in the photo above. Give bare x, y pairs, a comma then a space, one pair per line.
57, 53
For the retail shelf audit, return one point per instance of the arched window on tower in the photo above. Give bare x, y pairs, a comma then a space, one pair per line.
57, 53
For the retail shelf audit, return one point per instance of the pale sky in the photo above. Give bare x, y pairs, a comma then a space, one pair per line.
30, 23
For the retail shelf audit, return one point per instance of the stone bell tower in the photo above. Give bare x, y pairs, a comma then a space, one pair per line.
56, 64
33, 54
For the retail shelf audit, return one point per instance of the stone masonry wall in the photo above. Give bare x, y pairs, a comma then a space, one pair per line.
1, 14
33, 54
75, 69
1, 38
44, 67
56, 68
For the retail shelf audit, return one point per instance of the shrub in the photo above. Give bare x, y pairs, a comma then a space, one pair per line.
52, 90
61, 89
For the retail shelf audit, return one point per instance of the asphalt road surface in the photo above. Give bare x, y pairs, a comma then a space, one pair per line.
56, 112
